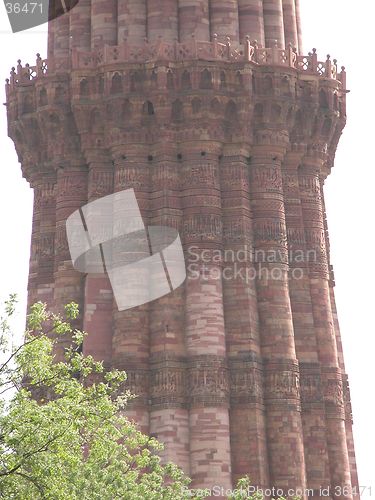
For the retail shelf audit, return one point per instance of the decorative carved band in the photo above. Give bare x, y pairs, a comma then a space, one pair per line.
208, 381
246, 381
168, 383
333, 393
311, 384
325, 385
174, 383
282, 381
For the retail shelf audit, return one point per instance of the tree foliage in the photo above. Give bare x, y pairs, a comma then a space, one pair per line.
63, 432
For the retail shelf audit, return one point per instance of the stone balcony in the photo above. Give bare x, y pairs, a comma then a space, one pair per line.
162, 51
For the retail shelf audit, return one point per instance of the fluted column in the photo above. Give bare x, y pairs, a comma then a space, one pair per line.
290, 23
282, 397
80, 25
103, 23
299, 26
193, 20
162, 20
310, 188
224, 19
313, 410
204, 318
251, 24
132, 21
50, 40
247, 418
169, 415
98, 308
42, 255
71, 195
59, 28
131, 341
273, 23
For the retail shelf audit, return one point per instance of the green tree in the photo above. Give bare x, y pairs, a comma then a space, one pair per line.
63, 432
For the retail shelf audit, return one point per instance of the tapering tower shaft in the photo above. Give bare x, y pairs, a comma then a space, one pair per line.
225, 131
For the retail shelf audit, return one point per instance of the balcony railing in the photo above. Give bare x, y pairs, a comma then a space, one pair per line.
193, 50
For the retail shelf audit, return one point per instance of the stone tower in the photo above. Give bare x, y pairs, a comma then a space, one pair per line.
226, 132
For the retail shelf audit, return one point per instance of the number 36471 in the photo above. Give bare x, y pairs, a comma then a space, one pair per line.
24, 8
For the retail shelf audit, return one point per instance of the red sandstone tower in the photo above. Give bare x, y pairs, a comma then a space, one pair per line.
229, 141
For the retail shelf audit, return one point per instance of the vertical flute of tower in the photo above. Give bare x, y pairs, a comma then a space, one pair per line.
98, 297
290, 23
80, 25
204, 318
299, 26
131, 342
50, 40
224, 19
58, 40
132, 21
273, 23
32, 286
248, 432
251, 24
313, 411
169, 416
283, 409
193, 20
162, 20
310, 185
71, 195
103, 23
43, 238
110, 22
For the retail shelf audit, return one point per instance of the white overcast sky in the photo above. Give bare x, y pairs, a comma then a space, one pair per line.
344, 29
